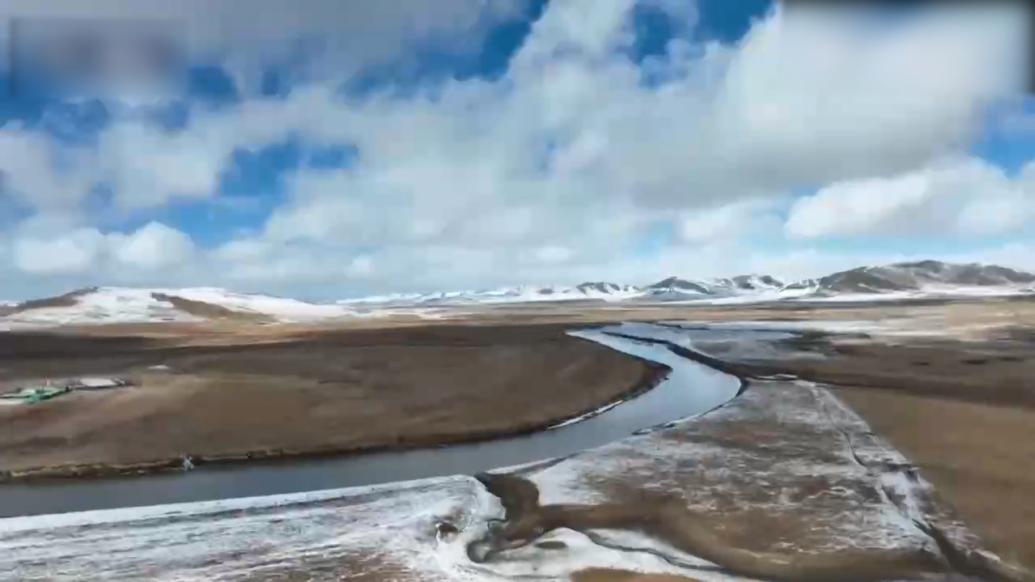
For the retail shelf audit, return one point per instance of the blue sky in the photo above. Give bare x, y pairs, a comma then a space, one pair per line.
370, 150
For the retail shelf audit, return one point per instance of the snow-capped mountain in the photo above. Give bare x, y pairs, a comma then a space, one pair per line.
128, 305
896, 281
875, 282
676, 289
601, 291
919, 276
753, 283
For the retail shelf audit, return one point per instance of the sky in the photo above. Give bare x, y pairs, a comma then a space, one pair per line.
328, 150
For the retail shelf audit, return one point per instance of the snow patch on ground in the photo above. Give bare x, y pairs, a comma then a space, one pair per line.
98, 382
336, 534
586, 416
930, 291
581, 551
788, 451
731, 343
800, 443
200, 508
763, 331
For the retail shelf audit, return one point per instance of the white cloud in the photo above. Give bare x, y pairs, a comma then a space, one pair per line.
571, 150
337, 38
958, 197
729, 221
808, 97
62, 249
75, 252
553, 254
148, 166
241, 250
556, 170
153, 246
33, 169
361, 267
589, 28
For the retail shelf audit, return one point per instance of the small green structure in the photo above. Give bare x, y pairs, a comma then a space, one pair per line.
48, 390
35, 394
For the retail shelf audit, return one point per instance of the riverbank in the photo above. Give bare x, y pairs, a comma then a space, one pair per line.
782, 483
321, 393
791, 472
652, 375
950, 386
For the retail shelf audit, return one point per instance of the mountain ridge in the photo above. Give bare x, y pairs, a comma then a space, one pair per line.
915, 276
895, 280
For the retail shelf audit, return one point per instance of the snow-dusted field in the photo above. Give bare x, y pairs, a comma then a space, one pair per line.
871, 503
384, 533
784, 477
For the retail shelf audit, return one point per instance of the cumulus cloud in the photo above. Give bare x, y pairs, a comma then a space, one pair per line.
53, 250
559, 167
729, 221
323, 38
967, 197
360, 267
310, 41
151, 247
572, 150
553, 254
33, 170
74, 252
148, 166
807, 97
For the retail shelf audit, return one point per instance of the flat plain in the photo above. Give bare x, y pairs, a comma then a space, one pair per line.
873, 441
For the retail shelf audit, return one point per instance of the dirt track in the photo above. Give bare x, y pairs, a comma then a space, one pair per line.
317, 392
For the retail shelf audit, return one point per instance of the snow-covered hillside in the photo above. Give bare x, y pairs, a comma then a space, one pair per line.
668, 290
888, 282
923, 275
897, 281
676, 289
523, 294
280, 308
129, 305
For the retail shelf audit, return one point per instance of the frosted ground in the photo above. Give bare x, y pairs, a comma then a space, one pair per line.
786, 458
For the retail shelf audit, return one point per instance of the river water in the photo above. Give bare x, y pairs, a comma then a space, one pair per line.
690, 389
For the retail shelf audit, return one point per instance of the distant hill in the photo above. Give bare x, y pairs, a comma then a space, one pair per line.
920, 275
899, 280
933, 277
130, 305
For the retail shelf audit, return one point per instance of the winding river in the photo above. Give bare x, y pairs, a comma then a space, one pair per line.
690, 389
